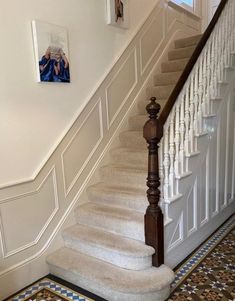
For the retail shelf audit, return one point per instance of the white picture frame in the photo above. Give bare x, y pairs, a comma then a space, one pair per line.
118, 13
51, 52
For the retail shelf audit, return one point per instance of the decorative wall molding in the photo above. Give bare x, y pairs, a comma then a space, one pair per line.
178, 234
3, 236
121, 86
90, 142
151, 40
76, 160
192, 212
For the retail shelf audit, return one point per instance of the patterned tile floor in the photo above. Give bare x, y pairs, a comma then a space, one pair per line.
52, 288
208, 275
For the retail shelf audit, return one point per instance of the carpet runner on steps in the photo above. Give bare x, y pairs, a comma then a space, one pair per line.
105, 252
208, 274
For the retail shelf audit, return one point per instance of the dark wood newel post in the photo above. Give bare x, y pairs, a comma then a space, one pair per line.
153, 132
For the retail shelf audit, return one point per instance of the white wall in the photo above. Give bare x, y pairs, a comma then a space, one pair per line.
33, 116
208, 9
33, 214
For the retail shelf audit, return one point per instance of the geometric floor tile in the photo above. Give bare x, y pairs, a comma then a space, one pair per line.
49, 290
209, 273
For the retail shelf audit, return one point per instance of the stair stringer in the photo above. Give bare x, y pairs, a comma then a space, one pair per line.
208, 197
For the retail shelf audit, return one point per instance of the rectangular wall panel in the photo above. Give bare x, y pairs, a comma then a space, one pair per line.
203, 188
82, 146
214, 208
229, 151
121, 86
151, 40
173, 15
222, 160
35, 209
192, 209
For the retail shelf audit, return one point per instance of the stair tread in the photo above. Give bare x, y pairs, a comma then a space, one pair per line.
106, 240
106, 275
110, 212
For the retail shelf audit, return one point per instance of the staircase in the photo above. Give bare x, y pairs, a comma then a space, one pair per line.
105, 251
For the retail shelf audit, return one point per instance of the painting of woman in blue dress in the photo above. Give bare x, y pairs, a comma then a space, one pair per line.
54, 66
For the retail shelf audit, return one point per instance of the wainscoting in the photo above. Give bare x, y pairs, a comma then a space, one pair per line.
33, 214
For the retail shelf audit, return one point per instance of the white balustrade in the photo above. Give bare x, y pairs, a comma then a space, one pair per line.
195, 102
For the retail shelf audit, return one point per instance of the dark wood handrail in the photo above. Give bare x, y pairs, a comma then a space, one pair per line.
183, 78
153, 132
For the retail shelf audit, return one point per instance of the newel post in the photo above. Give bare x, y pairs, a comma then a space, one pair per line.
154, 223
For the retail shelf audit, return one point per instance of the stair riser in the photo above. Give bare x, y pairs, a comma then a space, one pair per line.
136, 123
120, 260
129, 229
136, 203
118, 178
173, 66
132, 141
159, 92
181, 53
191, 41
129, 159
166, 78
106, 293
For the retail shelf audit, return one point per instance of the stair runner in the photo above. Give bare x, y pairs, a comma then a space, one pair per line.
105, 251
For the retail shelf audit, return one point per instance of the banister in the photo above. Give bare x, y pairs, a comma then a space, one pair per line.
153, 133
184, 76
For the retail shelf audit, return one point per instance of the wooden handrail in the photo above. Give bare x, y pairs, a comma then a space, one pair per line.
153, 132
183, 78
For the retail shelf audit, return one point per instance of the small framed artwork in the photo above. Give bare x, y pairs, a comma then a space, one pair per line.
118, 13
51, 52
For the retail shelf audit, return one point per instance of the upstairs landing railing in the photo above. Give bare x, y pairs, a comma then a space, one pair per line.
173, 136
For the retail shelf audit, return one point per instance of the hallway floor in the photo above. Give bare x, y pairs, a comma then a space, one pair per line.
208, 274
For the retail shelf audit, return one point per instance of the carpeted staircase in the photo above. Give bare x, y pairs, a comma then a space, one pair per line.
105, 251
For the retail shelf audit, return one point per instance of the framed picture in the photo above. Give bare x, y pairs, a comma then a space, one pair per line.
118, 13
51, 52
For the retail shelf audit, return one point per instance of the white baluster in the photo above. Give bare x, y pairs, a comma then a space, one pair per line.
196, 102
187, 118
161, 174
204, 100
172, 157
166, 164
200, 96
177, 140
182, 135
191, 110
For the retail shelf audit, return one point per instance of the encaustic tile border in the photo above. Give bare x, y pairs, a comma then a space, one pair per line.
56, 288
182, 272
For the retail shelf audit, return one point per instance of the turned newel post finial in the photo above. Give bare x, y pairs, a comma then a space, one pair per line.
153, 132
